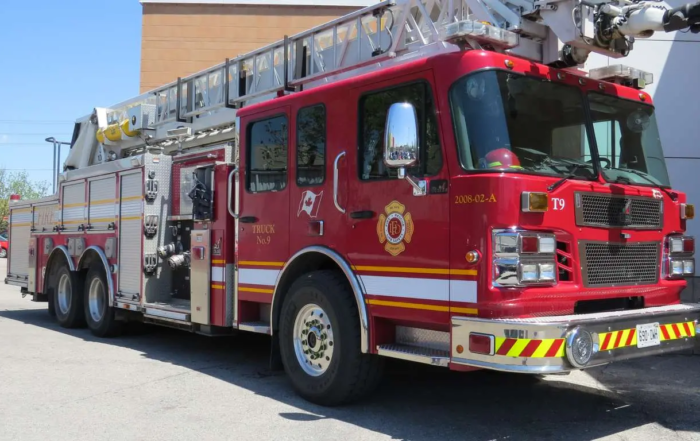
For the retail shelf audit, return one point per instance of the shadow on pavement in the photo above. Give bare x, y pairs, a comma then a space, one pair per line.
425, 403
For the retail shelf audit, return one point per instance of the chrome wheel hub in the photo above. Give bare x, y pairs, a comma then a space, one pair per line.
64, 293
96, 300
313, 340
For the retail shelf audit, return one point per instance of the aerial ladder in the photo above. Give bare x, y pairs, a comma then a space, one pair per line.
200, 108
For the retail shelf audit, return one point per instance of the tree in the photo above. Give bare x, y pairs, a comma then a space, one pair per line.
17, 183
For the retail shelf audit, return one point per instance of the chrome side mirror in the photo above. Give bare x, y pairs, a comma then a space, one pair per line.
401, 136
401, 144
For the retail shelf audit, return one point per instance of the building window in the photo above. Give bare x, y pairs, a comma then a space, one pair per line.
373, 112
267, 155
311, 145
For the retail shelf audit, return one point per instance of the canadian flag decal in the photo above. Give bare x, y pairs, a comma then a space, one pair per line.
310, 202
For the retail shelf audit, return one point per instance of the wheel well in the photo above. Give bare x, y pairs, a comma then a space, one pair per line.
58, 257
311, 261
87, 259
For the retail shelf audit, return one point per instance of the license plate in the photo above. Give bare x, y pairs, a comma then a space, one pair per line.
648, 335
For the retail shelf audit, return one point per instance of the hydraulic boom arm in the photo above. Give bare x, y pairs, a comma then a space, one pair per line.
644, 18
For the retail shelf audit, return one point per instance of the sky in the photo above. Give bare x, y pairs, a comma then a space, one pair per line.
59, 60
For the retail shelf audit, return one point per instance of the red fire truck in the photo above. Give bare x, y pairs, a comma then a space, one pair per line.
430, 180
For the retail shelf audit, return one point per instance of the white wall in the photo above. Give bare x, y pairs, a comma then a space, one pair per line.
674, 59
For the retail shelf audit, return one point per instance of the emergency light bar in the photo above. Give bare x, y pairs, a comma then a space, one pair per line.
619, 73
479, 31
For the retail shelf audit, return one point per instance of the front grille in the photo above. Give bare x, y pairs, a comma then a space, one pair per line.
613, 264
633, 212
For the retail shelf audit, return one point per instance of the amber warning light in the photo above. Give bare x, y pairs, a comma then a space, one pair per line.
534, 202
687, 211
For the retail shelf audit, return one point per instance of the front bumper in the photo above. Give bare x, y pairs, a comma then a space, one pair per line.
550, 345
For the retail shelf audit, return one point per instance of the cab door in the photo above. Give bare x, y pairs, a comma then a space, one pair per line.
263, 213
398, 241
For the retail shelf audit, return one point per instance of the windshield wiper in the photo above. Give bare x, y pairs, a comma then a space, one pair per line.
571, 175
643, 176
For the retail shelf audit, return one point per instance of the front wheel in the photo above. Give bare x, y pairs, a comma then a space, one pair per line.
98, 314
3, 253
320, 341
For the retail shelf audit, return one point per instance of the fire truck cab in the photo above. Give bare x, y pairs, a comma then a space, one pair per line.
439, 202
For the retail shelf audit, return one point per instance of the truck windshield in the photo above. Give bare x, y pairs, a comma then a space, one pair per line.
510, 122
628, 141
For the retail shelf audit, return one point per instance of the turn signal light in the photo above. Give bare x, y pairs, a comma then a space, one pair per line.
472, 256
534, 202
687, 211
529, 244
481, 344
689, 244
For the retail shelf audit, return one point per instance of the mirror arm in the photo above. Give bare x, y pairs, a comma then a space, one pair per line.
419, 188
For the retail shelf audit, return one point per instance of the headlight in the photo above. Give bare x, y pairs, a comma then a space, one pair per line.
523, 258
678, 257
677, 267
689, 267
528, 272
547, 273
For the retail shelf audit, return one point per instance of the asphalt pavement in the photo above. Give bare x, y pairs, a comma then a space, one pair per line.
160, 384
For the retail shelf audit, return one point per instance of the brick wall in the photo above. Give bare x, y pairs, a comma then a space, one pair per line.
181, 39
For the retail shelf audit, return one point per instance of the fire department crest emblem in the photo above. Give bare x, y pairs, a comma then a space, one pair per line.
395, 227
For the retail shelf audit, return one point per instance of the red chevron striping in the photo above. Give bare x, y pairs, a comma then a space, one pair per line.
555, 348
505, 347
606, 341
617, 340
665, 332
629, 339
531, 348
687, 330
676, 330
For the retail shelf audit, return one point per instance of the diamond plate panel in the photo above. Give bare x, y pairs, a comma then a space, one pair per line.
158, 286
424, 338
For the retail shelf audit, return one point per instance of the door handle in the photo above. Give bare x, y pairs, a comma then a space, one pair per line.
335, 182
365, 214
248, 219
230, 192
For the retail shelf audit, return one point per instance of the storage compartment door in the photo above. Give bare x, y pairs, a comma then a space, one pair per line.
73, 215
130, 235
101, 210
20, 225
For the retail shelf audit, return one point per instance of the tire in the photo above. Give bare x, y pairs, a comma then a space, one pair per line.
68, 298
99, 316
3, 253
313, 302
52, 305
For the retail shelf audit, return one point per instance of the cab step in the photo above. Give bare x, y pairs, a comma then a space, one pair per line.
257, 327
434, 357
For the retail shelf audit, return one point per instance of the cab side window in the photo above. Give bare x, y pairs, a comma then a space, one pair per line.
311, 145
267, 155
373, 111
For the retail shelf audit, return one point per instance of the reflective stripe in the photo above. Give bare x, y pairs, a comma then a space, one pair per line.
257, 276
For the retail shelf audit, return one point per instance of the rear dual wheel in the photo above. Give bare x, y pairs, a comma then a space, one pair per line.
67, 298
100, 317
78, 300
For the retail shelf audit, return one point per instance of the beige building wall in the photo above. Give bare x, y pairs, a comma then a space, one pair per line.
181, 39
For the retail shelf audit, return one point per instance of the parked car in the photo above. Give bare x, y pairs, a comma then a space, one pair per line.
3, 246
